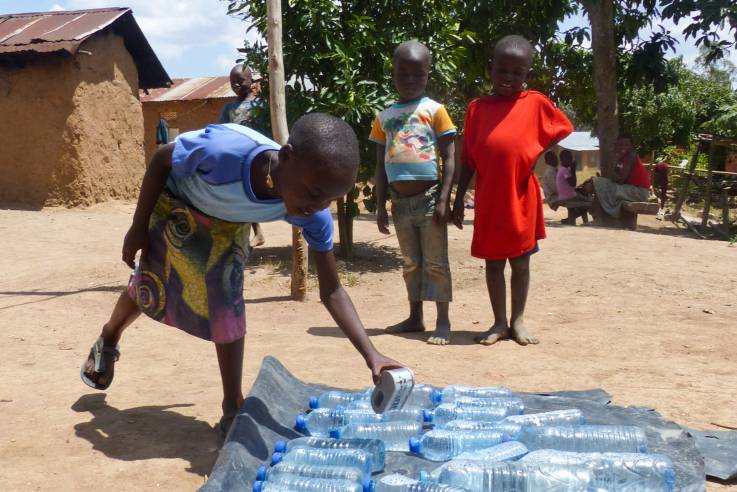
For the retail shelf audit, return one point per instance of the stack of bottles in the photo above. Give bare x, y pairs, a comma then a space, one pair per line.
479, 439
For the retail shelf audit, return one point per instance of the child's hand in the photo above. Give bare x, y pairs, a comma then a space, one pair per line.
442, 213
382, 221
459, 211
379, 363
135, 239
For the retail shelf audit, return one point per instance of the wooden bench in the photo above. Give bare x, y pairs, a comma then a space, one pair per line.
630, 211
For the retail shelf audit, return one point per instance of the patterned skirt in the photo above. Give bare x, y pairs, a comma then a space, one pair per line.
191, 276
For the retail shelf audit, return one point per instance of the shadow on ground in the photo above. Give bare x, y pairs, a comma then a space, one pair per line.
368, 257
145, 433
48, 295
667, 230
457, 337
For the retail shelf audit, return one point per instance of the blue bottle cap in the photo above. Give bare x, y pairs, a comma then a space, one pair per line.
280, 446
314, 402
261, 473
414, 445
300, 423
436, 396
424, 476
368, 485
257, 486
335, 433
276, 458
426, 415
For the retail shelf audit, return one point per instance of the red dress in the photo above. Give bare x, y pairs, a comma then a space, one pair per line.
503, 137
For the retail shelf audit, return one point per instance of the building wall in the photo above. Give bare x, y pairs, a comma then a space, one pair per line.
75, 131
181, 116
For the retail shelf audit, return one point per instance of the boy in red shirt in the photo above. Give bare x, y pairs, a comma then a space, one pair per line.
504, 135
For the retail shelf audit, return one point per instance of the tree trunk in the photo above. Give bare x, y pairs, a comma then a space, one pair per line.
345, 227
601, 17
281, 135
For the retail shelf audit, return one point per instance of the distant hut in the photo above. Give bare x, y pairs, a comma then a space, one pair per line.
583, 146
71, 131
189, 104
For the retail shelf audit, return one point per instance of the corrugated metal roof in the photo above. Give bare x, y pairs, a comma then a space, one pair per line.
580, 141
191, 89
35, 33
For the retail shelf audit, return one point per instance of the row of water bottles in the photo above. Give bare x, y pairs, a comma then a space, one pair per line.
482, 435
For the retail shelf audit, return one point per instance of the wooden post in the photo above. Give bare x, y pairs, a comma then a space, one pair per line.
281, 135
725, 210
709, 182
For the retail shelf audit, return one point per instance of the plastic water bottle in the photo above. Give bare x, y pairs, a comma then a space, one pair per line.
421, 396
374, 446
447, 411
314, 471
332, 399
515, 477
406, 414
290, 483
357, 458
394, 434
400, 483
506, 451
442, 445
615, 472
321, 421
450, 393
514, 405
586, 438
558, 417
509, 428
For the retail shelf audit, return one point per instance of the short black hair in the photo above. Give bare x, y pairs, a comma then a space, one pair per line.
327, 141
551, 156
567, 153
412, 50
626, 136
517, 43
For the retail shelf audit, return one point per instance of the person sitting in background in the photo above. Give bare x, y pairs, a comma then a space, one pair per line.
566, 158
550, 188
565, 182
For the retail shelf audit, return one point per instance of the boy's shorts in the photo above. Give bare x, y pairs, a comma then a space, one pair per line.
424, 246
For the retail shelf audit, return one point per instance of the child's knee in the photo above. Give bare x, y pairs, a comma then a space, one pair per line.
521, 264
495, 266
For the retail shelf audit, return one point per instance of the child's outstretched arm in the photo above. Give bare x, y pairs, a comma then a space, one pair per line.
153, 182
459, 210
446, 144
340, 307
381, 183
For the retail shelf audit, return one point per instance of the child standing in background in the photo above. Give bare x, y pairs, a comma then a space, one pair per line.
407, 134
504, 135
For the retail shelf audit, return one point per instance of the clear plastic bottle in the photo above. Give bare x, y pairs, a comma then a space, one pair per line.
509, 428
332, 399
290, 483
515, 477
448, 411
506, 451
616, 472
586, 438
321, 421
442, 445
571, 416
374, 446
394, 434
400, 483
356, 458
312, 471
514, 405
450, 393
421, 396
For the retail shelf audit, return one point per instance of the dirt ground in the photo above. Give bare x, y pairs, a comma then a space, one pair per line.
649, 316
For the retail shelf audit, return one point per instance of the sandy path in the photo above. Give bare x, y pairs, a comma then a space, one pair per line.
648, 317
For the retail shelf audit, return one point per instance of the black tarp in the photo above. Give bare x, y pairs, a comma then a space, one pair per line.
268, 414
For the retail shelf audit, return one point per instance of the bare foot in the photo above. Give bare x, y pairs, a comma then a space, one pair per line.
258, 240
520, 334
409, 325
495, 334
441, 335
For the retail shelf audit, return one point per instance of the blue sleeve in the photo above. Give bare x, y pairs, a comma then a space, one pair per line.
215, 153
317, 229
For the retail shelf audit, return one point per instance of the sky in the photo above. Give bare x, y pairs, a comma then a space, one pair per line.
196, 38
